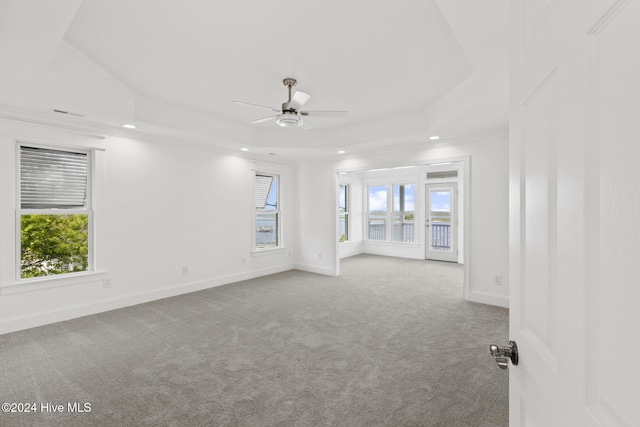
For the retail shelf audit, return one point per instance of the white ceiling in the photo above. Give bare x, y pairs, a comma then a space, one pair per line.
403, 70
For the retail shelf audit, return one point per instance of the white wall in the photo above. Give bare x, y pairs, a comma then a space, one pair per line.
158, 207
486, 249
317, 216
489, 222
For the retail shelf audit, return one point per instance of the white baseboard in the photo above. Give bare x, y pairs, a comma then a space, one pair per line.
327, 271
490, 299
350, 253
394, 249
349, 249
33, 320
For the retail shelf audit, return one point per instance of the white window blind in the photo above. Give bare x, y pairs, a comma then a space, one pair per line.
52, 179
263, 188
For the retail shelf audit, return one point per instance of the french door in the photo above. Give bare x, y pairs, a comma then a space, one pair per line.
441, 222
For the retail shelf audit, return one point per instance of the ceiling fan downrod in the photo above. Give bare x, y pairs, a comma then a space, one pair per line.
289, 83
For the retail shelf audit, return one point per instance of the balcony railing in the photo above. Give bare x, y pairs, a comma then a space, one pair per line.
377, 231
401, 232
440, 234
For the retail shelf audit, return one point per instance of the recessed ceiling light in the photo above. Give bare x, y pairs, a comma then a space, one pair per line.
128, 126
434, 137
341, 152
244, 149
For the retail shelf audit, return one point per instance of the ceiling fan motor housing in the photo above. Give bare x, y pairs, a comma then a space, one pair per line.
289, 82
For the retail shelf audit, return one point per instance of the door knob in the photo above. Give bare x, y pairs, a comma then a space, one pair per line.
503, 354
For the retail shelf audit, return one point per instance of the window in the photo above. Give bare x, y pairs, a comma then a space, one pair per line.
54, 215
343, 213
397, 222
403, 212
267, 205
377, 212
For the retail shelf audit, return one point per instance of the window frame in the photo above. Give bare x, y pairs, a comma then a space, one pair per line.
345, 213
369, 212
402, 213
86, 210
278, 212
389, 213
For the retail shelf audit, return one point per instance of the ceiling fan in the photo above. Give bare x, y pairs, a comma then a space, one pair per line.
290, 114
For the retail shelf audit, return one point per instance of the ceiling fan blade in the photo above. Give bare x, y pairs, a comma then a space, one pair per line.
306, 125
257, 106
323, 113
265, 119
299, 99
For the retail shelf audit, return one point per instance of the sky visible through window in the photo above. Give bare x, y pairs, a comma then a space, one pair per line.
272, 200
378, 198
342, 205
440, 200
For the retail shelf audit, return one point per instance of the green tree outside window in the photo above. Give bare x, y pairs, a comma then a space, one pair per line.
53, 244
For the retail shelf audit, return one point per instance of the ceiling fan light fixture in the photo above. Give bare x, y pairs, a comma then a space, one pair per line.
290, 115
289, 120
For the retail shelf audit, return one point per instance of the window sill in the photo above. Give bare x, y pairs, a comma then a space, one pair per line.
389, 243
36, 284
274, 251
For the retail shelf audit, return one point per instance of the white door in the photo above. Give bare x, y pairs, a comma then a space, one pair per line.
442, 222
575, 213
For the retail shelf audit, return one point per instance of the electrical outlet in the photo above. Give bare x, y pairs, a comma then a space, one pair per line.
320, 256
497, 280
185, 270
243, 261
106, 283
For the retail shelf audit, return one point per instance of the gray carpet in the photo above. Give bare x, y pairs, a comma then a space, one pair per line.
389, 342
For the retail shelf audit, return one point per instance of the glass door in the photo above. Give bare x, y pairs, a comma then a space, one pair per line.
442, 222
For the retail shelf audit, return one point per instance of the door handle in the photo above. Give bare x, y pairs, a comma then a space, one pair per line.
503, 354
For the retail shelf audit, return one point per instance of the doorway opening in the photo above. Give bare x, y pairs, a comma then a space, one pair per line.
433, 211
